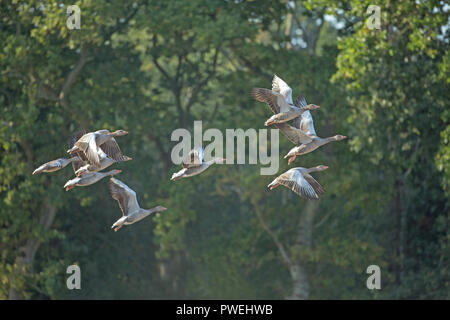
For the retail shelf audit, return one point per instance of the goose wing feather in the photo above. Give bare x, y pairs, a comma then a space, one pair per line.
294, 180
296, 136
279, 85
112, 150
276, 101
194, 158
125, 196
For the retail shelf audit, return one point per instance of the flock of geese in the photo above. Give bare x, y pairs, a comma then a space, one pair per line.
302, 134
95, 151
92, 152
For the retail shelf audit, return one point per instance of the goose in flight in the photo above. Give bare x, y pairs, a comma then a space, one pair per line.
106, 160
108, 153
131, 211
55, 165
280, 102
90, 142
303, 134
193, 164
301, 182
89, 178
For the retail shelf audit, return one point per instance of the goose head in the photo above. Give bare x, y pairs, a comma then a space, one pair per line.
114, 172
321, 168
339, 137
312, 107
159, 209
220, 160
119, 133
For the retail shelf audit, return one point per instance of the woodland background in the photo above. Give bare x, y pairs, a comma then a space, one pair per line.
150, 67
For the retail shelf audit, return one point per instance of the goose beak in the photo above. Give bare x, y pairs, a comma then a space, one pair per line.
344, 137
163, 208
316, 107
325, 167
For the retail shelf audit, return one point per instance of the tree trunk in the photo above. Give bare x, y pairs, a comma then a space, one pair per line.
299, 275
25, 258
300, 283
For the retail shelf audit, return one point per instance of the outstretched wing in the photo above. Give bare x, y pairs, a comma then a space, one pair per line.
307, 123
112, 150
278, 85
301, 103
276, 101
92, 151
124, 195
83, 160
294, 180
296, 136
194, 158
316, 185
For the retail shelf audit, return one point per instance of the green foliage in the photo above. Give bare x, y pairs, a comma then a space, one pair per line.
151, 67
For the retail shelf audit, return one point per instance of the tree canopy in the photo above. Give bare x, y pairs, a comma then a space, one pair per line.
150, 67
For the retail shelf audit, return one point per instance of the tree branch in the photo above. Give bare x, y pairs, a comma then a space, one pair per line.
70, 80
274, 237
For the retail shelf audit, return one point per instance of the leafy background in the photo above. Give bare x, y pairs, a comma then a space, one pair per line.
150, 67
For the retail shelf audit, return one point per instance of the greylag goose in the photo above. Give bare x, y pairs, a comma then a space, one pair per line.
301, 182
89, 178
90, 142
105, 162
109, 152
55, 165
280, 102
131, 211
193, 164
303, 134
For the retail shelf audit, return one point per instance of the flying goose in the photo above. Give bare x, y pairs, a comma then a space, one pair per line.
280, 102
55, 165
193, 164
301, 182
88, 179
131, 211
303, 134
90, 142
109, 152
105, 162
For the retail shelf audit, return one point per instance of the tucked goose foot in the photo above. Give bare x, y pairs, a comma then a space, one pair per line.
274, 186
268, 123
291, 159
79, 174
69, 188
117, 228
